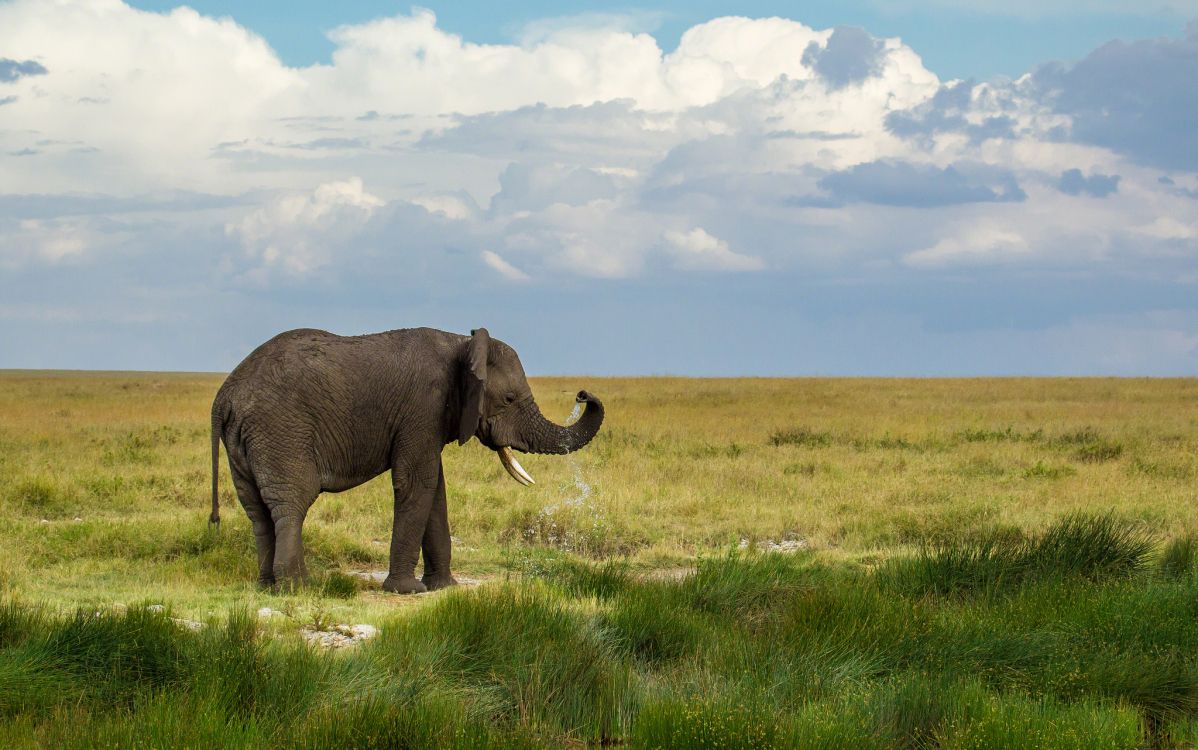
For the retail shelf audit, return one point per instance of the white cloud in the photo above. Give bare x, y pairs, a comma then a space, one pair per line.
44, 242
1168, 228
299, 233
449, 206
697, 250
505, 269
162, 141
976, 245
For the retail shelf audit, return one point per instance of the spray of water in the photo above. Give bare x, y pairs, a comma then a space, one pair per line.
572, 523
580, 484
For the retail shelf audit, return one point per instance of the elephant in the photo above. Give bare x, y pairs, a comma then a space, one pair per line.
310, 411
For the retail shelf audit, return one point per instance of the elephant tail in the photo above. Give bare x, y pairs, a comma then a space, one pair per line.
218, 425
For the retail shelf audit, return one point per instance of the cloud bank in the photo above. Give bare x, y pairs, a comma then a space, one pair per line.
418, 177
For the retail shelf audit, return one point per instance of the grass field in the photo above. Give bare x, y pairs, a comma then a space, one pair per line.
981, 563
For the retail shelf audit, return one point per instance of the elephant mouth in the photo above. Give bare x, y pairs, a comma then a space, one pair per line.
513, 467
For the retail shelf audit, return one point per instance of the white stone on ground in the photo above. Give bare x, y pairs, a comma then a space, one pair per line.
769, 545
339, 636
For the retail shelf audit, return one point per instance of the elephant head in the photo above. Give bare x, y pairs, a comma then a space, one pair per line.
497, 407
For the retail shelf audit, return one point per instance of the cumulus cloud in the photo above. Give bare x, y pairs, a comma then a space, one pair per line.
581, 156
299, 234
921, 185
1136, 98
697, 250
978, 245
502, 267
850, 55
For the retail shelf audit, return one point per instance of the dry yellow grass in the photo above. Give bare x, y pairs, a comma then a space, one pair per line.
857, 468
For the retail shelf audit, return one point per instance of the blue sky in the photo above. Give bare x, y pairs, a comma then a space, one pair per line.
855, 188
956, 39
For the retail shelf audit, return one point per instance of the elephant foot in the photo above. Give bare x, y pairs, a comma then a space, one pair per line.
266, 582
287, 585
434, 581
403, 585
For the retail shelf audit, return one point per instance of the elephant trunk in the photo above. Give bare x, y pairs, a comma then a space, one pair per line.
543, 436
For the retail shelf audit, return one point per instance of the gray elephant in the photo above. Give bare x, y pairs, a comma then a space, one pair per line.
310, 412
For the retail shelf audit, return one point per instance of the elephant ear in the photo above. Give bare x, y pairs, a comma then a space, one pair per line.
473, 380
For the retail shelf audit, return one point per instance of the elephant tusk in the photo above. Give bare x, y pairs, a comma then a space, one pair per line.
513, 466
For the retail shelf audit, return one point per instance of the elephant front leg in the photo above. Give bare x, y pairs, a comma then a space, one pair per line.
414, 496
436, 546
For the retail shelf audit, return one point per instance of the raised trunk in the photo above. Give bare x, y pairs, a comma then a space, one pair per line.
543, 436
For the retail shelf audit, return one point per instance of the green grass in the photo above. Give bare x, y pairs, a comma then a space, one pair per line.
985, 564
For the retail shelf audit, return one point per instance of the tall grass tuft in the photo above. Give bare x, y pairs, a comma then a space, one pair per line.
116, 653
1177, 559
602, 580
746, 585
535, 659
650, 623
1092, 547
672, 723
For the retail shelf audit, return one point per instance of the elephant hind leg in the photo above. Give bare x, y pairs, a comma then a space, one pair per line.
289, 504
264, 527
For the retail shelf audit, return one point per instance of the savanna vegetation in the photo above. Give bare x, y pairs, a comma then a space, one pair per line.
745, 563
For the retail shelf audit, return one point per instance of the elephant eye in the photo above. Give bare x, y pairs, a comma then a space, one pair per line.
509, 398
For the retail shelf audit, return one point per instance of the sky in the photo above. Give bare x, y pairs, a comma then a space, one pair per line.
706, 188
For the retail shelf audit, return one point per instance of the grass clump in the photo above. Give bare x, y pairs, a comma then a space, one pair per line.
1042, 470
1177, 559
1088, 446
338, 585
521, 646
1093, 547
580, 529
573, 576
44, 497
1008, 434
803, 437
649, 623
671, 723
745, 583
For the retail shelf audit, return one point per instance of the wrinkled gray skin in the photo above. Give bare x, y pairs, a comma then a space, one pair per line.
310, 412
